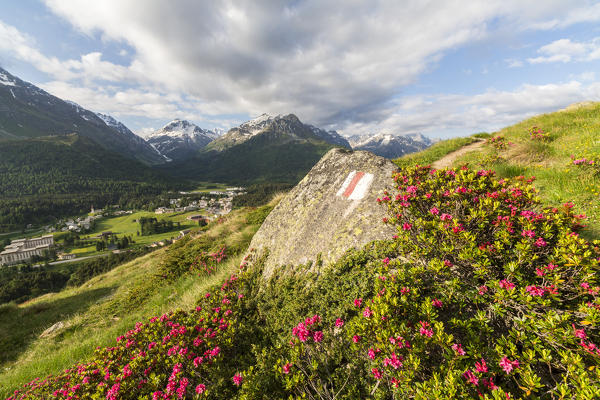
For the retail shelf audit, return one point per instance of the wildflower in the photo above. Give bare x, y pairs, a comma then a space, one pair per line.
200, 389
446, 217
367, 313
528, 233
404, 290
482, 290
386, 260
358, 302
470, 377
339, 322
286, 368
504, 284
318, 336
508, 365
424, 331
407, 226
437, 303
540, 242
356, 338
237, 379
481, 366
376, 373
535, 291
458, 349
434, 211
371, 354
579, 333
394, 361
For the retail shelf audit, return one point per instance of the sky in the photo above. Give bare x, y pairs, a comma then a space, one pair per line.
440, 68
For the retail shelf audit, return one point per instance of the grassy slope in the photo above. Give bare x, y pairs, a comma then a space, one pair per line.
435, 152
575, 132
102, 309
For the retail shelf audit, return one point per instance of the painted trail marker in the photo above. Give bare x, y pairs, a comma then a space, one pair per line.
356, 185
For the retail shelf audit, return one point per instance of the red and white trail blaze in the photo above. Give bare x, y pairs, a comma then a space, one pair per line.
356, 185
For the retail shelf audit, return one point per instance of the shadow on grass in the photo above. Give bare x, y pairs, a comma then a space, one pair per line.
20, 326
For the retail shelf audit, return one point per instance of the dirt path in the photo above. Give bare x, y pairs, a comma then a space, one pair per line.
449, 158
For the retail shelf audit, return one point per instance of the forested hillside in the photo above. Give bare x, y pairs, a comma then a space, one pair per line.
65, 175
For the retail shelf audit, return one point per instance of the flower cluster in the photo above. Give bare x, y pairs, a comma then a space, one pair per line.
171, 356
499, 142
536, 133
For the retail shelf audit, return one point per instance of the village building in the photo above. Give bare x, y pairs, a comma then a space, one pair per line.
21, 250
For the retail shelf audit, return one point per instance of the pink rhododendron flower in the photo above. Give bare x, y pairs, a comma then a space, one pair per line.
376, 373
437, 303
508, 365
367, 313
481, 366
504, 284
483, 289
286, 368
434, 211
534, 290
318, 336
404, 290
446, 217
470, 377
458, 349
237, 379
424, 331
358, 302
394, 361
371, 354
579, 333
200, 389
406, 226
356, 338
339, 322
528, 233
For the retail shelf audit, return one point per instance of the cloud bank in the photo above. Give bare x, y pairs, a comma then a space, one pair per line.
339, 66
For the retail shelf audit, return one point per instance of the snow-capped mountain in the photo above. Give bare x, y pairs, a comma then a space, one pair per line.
181, 139
26, 111
390, 146
288, 126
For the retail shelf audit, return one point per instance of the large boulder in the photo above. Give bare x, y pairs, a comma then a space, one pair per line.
334, 208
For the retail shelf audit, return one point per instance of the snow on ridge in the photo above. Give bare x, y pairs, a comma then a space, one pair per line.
4, 80
181, 129
108, 120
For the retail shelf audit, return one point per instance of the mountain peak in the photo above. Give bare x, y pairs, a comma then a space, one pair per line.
180, 139
388, 145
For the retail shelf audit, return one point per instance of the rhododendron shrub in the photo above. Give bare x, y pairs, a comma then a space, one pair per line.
490, 292
536, 133
488, 295
179, 355
499, 142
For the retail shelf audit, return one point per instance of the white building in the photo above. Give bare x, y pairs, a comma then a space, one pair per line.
21, 250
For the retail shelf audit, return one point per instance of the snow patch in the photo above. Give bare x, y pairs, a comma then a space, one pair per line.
5, 80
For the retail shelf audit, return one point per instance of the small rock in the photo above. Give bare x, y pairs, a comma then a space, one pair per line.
53, 330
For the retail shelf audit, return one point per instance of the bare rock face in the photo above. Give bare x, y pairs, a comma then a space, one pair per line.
334, 208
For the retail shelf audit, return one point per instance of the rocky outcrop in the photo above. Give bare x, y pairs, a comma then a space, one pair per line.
334, 208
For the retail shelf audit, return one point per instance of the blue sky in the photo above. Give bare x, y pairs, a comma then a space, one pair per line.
441, 68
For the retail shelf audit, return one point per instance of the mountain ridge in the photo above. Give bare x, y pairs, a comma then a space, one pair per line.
26, 111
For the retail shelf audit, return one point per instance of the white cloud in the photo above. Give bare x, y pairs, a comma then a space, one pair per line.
326, 62
491, 110
333, 65
566, 50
